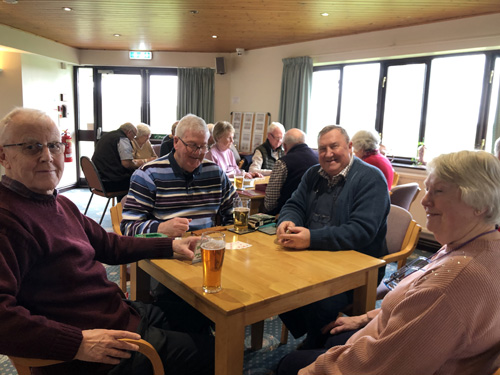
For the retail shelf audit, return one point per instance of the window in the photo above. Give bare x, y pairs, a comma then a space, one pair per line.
446, 102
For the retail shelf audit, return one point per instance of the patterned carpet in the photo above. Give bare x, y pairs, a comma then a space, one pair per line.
260, 362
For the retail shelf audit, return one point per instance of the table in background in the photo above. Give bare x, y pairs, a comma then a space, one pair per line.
259, 282
256, 196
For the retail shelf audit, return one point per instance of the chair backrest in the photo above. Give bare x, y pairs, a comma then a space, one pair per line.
24, 365
404, 195
116, 217
402, 235
91, 175
397, 225
156, 149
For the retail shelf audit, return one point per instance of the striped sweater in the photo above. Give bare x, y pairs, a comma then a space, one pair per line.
161, 190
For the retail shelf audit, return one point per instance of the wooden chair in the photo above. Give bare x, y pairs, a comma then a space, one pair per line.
96, 186
116, 218
24, 365
404, 195
395, 179
402, 235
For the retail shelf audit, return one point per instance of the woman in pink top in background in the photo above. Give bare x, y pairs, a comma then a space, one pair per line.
221, 154
366, 144
442, 319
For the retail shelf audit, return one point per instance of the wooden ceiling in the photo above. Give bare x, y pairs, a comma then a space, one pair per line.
188, 25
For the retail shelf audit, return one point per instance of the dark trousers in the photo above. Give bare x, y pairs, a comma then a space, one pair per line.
298, 359
182, 353
312, 318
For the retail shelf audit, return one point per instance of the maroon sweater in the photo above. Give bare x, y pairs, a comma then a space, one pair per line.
52, 282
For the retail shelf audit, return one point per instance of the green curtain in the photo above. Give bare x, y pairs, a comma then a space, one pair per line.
296, 84
195, 93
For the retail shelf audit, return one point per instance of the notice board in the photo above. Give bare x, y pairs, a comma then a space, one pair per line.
250, 129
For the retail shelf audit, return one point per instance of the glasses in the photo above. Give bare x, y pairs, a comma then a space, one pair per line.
33, 149
194, 148
275, 138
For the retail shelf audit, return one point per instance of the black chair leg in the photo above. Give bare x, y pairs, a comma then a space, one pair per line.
88, 204
104, 212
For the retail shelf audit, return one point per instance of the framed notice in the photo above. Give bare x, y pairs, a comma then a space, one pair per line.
250, 129
236, 122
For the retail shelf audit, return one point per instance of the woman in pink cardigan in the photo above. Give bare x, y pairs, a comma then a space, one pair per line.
221, 154
443, 318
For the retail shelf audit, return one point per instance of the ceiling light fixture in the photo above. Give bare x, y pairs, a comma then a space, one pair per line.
214, 36
10, 1
67, 9
325, 14
117, 35
194, 12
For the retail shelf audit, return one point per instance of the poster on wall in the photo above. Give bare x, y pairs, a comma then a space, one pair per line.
246, 132
258, 130
236, 122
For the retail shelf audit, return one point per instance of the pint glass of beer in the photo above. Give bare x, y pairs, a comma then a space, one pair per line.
239, 176
241, 210
213, 246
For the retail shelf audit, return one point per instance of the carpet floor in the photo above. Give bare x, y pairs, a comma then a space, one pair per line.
260, 362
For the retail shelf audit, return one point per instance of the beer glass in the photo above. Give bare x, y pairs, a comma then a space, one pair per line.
241, 211
239, 176
213, 247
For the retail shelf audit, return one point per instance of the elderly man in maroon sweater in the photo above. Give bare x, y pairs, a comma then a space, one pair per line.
55, 299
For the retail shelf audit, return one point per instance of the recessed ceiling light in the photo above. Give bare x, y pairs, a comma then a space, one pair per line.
325, 14
67, 9
214, 36
10, 1
193, 12
117, 35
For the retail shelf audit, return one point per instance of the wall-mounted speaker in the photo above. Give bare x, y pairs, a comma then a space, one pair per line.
220, 65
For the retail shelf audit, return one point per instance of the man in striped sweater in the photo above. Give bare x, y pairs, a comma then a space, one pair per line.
180, 191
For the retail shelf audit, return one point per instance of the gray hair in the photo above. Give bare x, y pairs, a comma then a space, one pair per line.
365, 140
12, 118
329, 128
477, 175
128, 127
497, 148
221, 128
275, 125
143, 129
191, 123
294, 137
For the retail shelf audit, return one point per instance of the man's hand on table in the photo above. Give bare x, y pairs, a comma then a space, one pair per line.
292, 236
185, 246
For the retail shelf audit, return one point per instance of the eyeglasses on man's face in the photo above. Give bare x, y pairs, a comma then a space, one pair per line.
276, 138
35, 148
194, 148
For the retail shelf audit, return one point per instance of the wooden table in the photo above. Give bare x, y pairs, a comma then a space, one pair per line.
259, 282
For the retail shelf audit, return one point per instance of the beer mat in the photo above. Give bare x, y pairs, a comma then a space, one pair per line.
237, 245
199, 232
249, 230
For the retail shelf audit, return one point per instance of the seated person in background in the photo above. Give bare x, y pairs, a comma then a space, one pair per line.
114, 157
340, 204
497, 148
167, 144
220, 152
288, 170
365, 144
180, 191
211, 142
267, 153
53, 285
141, 144
443, 318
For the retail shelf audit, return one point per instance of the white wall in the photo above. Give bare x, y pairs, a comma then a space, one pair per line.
43, 81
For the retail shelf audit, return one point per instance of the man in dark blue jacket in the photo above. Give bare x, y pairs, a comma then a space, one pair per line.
341, 204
